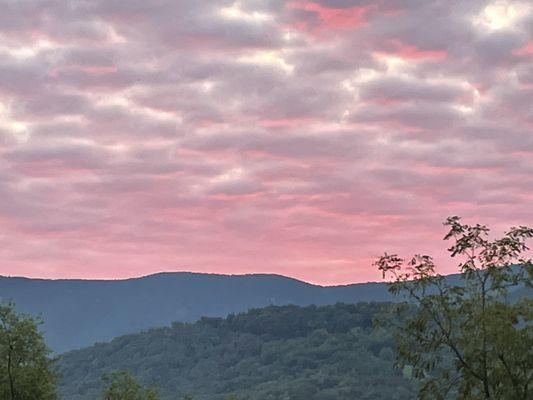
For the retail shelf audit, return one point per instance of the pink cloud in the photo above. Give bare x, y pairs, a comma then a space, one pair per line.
525, 50
330, 18
411, 52
301, 138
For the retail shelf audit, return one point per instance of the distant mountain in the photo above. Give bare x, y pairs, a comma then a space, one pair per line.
78, 313
289, 352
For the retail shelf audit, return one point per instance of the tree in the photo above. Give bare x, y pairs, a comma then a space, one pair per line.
470, 339
25, 365
122, 385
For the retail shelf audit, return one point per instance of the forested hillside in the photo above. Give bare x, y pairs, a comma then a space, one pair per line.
289, 352
79, 313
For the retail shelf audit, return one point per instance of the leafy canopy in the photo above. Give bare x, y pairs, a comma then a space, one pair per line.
326, 353
472, 339
25, 366
122, 385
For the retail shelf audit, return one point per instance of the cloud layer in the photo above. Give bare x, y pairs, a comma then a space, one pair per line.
296, 137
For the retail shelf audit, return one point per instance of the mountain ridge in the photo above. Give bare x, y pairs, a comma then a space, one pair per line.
170, 273
79, 312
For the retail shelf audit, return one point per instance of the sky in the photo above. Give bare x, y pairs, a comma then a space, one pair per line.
299, 137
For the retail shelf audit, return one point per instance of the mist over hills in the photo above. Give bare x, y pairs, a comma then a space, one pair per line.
79, 313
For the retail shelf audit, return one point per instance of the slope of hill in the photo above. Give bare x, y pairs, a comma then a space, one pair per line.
78, 313
289, 352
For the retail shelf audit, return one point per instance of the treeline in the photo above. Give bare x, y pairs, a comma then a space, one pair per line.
288, 352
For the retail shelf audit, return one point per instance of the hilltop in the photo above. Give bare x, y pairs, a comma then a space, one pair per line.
79, 313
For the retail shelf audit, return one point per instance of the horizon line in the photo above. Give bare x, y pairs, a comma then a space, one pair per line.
187, 272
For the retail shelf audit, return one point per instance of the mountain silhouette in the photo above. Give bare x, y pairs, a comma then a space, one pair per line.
78, 313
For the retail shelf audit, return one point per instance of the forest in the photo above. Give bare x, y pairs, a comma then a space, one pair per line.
288, 352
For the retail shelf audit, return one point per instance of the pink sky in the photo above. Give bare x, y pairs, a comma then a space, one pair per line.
303, 138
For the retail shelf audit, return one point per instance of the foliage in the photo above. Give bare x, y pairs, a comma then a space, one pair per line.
288, 352
467, 340
25, 366
122, 385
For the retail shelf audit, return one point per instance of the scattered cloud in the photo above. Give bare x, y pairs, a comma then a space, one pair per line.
296, 137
